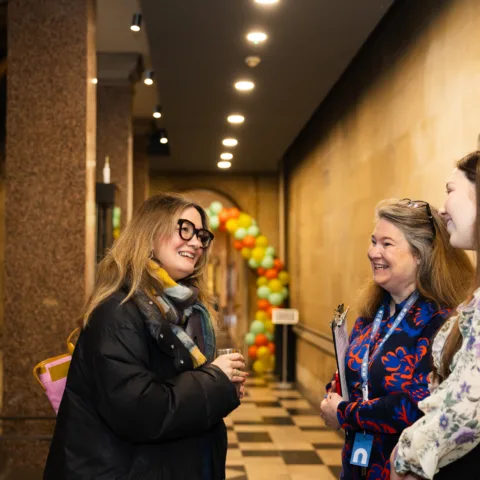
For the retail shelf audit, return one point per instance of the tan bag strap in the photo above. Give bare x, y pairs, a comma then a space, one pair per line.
70, 345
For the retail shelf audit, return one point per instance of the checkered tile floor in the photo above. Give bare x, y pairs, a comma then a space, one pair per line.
278, 435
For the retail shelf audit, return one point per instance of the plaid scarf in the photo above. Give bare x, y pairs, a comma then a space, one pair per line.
183, 311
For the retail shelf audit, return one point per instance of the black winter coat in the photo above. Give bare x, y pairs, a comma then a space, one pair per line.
134, 407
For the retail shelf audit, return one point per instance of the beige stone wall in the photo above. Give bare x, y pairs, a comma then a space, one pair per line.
404, 112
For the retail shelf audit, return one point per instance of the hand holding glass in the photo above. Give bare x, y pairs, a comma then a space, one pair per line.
231, 362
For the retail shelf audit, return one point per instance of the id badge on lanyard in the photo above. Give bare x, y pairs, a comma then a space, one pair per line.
362, 445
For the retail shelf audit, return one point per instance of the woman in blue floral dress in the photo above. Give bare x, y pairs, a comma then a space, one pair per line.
444, 443
417, 279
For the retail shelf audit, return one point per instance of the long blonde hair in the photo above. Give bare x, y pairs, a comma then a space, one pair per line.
444, 274
127, 263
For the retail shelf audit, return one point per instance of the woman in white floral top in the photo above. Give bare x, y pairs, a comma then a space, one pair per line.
445, 442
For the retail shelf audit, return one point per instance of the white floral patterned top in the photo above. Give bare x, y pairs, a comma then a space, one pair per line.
451, 425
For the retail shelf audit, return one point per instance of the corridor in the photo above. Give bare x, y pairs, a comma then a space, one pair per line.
278, 435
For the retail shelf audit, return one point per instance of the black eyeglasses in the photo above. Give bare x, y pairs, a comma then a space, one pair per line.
186, 230
421, 203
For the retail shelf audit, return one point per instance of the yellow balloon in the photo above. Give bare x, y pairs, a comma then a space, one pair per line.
284, 277
244, 220
262, 281
261, 241
275, 285
246, 253
258, 367
269, 326
258, 253
263, 353
261, 314
271, 362
231, 225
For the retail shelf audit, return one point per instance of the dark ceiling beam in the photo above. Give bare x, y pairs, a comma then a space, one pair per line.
119, 68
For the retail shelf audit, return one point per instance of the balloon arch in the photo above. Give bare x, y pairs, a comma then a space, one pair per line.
272, 279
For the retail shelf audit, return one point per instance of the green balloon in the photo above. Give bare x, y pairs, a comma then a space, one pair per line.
275, 299
249, 338
252, 263
263, 292
267, 262
254, 231
257, 327
214, 222
216, 207
269, 336
270, 251
285, 292
240, 233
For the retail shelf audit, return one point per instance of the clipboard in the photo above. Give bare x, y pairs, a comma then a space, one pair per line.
340, 344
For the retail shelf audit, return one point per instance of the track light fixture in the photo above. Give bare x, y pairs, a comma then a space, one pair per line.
164, 137
136, 22
157, 113
148, 80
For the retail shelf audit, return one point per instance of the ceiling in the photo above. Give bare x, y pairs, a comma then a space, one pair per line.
197, 50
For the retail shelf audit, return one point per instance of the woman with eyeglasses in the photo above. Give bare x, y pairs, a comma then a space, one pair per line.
444, 443
418, 277
145, 397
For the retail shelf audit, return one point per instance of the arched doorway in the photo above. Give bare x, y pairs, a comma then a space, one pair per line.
228, 276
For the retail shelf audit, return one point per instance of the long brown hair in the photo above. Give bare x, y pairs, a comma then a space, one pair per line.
128, 260
441, 273
470, 166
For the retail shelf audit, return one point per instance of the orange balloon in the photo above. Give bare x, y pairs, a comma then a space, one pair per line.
271, 273
222, 227
252, 352
238, 244
249, 241
270, 309
278, 264
263, 304
261, 340
233, 213
223, 216
261, 271
271, 347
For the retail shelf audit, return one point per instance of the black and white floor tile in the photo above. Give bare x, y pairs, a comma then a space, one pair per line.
278, 435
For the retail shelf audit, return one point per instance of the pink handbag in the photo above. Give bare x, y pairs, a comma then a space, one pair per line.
51, 374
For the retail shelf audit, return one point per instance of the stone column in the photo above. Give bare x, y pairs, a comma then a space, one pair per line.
141, 172
50, 204
117, 73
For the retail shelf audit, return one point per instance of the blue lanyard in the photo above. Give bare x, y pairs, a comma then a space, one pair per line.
376, 325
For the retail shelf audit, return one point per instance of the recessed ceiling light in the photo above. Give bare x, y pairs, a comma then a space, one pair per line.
266, 2
136, 22
149, 77
226, 156
224, 164
235, 118
94, 81
252, 61
229, 142
244, 85
256, 37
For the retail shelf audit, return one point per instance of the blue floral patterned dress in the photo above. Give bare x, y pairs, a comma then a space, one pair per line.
397, 382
